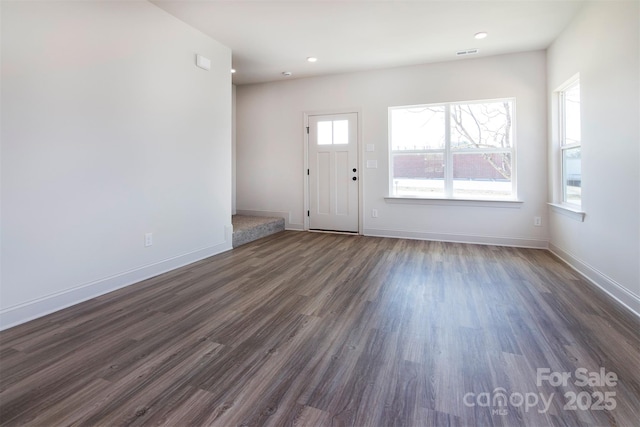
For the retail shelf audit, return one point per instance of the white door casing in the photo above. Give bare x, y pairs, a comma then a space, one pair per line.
333, 172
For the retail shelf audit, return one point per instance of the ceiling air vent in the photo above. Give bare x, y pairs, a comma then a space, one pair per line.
467, 52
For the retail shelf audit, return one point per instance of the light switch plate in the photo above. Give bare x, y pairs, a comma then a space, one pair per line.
371, 147
372, 164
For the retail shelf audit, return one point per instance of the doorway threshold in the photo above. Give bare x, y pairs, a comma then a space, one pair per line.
349, 233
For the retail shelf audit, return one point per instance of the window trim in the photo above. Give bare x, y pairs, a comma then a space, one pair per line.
484, 203
562, 146
568, 211
448, 153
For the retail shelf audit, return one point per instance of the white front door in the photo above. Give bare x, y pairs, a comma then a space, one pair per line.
333, 172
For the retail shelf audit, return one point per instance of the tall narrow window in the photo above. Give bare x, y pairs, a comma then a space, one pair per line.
454, 150
570, 143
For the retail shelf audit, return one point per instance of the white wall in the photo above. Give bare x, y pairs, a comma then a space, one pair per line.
233, 150
270, 144
109, 131
602, 44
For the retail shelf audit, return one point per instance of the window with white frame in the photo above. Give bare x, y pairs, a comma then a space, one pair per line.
454, 150
570, 142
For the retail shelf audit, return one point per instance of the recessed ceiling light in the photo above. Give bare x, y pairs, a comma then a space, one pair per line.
312, 59
480, 35
233, 71
287, 73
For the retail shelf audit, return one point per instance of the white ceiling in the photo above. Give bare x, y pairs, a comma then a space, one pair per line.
269, 37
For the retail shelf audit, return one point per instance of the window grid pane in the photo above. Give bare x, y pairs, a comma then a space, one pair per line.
341, 132
481, 126
325, 133
572, 175
418, 175
419, 128
486, 175
571, 108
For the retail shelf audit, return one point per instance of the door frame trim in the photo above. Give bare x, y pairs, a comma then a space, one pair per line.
360, 162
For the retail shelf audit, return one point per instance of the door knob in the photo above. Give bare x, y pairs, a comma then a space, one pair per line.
354, 169
354, 178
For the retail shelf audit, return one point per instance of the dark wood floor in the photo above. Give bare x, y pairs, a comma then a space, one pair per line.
318, 329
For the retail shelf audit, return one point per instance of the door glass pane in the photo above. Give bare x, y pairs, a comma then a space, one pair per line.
572, 175
485, 125
419, 175
325, 136
418, 128
341, 132
480, 176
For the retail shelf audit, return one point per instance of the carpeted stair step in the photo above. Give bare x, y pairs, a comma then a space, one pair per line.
249, 228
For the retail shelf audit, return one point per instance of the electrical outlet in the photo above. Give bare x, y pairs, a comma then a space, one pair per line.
374, 213
148, 239
537, 221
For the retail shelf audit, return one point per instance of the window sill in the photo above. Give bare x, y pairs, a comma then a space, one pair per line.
513, 204
570, 211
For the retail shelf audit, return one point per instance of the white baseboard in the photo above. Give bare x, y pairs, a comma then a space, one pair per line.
288, 225
15, 315
618, 292
459, 238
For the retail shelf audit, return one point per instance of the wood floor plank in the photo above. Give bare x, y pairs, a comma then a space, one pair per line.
312, 329
309, 417
143, 392
70, 409
23, 401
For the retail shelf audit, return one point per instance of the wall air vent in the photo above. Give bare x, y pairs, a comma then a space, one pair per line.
467, 52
